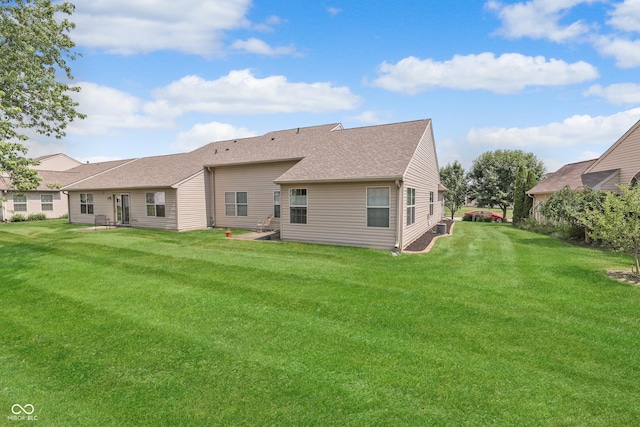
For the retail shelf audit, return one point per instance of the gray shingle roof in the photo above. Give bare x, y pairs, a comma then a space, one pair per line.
64, 178
570, 175
594, 179
326, 153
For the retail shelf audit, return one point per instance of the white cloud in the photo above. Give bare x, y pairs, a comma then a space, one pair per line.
508, 73
449, 152
621, 93
129, 27
626, 16
626, 52
589, 155
267, 26
202, 134
240, 92
108, 108
259, 47
37, 148
578, 130
539, 19
334, 11
371, 117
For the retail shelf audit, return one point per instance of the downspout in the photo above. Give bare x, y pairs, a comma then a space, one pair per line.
66, 193
399, 216
212, 183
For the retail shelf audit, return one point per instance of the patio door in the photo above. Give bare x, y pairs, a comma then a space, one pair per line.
121, 208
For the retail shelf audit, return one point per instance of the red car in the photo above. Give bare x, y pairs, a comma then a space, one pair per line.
494, 216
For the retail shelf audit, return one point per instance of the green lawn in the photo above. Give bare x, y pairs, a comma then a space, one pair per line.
495, 326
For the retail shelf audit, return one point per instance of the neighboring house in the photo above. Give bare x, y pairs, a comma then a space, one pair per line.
568, 175
374, 186
56, 162
46, 199
55, 171
620, 164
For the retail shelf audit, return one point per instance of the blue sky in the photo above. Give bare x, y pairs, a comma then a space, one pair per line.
559, 78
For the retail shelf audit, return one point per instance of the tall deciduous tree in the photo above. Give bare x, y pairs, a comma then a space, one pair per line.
520, 194
493, 176
617, 221
453, 177
34, 49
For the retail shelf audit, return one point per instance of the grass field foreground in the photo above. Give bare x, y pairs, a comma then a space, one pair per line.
494, 326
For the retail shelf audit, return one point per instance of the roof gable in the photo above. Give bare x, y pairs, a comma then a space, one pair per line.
602, 160
368, 153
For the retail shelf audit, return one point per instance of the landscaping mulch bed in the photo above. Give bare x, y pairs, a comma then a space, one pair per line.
423, 242
624, 276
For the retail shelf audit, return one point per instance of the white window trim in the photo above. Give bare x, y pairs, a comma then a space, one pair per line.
235, 203
277, 204
43, 203
25, 203
87, 204
413, 217
366, 199
155, 204
298, 206
431, 203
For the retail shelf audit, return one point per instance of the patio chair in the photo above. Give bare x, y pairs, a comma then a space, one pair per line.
101, 220
263, 225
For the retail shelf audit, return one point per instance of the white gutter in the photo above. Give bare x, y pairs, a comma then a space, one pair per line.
212, 183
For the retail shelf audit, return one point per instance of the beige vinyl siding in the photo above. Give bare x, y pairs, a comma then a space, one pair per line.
138, 206
192, 204
537, 199
257, 181
59, 162
103, 205
34, 204
337, 215
423, 174
625, 156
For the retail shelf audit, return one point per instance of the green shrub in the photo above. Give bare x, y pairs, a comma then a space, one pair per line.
37, 217
18, 218
466, 217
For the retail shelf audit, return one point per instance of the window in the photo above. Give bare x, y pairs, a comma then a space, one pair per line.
298, 206
635, 179
411, 206
430, 202
276, 204
235, 203
86, 203
19, 203
46, 202
378, 207
156, 204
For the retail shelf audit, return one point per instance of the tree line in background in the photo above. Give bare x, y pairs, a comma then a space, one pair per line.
496, 179
502, 178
